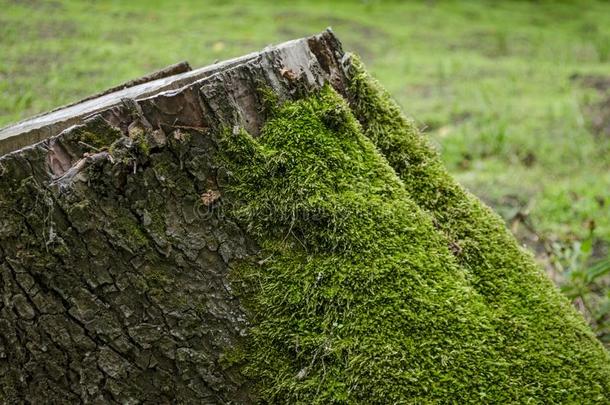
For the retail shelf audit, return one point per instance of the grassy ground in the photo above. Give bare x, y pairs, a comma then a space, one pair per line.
508, 91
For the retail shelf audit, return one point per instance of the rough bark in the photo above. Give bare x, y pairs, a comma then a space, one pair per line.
113, 264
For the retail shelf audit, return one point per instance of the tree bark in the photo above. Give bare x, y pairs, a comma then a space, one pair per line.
114, 254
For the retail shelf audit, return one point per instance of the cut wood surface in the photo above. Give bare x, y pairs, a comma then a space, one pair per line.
173, 78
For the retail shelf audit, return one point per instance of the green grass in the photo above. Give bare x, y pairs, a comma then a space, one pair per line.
489, 82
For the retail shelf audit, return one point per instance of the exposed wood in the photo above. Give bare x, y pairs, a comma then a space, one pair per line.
43, 126
168, 71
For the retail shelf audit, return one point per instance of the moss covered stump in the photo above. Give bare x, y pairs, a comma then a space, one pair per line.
270, 229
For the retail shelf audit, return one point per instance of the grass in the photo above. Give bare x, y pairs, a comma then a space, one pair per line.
489, 82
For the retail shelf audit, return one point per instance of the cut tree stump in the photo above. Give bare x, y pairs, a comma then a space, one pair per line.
119, 250
114, 281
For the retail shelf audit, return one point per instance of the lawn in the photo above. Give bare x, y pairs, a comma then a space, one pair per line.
511, 93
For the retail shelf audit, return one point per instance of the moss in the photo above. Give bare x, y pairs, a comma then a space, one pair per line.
129, 233
161, 282
157, 223
539, 328
357, 297
156, 278
143, 144
232, 358
97, 134
168, 173
269, 99
381, 280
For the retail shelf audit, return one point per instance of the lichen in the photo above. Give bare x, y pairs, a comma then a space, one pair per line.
358, 296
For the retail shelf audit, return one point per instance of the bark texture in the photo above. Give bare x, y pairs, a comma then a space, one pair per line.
113, 262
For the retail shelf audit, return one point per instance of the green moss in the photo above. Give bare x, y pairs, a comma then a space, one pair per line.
157, 222
156, 278
560, 357
378, 288
358, 298
97, 134
232, 358
129, 232
161, 282
169, 174
143, 144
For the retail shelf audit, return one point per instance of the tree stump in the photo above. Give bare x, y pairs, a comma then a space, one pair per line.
125, 232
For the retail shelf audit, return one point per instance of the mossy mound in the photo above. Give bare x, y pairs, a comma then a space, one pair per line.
380, 280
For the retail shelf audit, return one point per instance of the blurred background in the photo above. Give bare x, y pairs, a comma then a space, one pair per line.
515, 95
